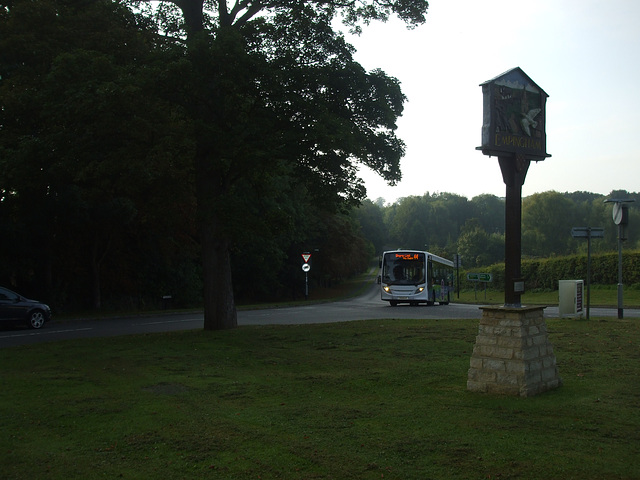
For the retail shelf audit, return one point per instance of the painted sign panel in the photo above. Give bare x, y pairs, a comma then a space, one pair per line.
479, 277
514, 116
587, 232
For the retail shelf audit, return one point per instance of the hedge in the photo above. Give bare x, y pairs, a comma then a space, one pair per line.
544, 274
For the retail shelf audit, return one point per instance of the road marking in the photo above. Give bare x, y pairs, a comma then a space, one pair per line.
169, 321
48, 332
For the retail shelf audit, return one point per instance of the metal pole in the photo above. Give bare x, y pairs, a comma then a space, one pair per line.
620, 309
620, 218
589, 273
306, 286
458, 273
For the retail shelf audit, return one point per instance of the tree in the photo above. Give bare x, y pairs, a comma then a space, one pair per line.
489, 210
430, 221
371, 220
273, 91
407, 220
547, 219
479, 248
448, 213
343, 251
86, 144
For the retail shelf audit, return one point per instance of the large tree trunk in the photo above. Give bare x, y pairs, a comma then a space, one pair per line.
219, 304
96, 298
211, 185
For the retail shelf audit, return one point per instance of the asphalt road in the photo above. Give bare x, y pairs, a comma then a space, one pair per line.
367, 306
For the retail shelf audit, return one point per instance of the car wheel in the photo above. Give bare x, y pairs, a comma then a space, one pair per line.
36, 319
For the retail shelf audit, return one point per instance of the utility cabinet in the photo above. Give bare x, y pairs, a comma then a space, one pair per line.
571, 297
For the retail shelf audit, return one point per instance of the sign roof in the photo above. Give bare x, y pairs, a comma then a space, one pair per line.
516, 78
514, 117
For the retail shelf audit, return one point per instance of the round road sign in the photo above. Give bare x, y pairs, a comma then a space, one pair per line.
306, 267
618, 213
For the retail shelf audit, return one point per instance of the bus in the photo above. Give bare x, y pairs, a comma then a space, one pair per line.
414, 277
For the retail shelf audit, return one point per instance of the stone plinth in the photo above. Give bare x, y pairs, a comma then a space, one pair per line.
512, 354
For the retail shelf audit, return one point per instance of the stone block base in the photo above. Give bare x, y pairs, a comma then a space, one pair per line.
512, 354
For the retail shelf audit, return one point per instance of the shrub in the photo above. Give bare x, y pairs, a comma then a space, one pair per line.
544, 273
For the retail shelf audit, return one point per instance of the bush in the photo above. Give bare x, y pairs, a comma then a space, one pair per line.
544, 274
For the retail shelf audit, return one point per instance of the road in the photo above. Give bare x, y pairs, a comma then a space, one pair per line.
367, 306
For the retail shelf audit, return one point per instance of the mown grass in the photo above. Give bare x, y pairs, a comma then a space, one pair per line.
601, 296
360, 400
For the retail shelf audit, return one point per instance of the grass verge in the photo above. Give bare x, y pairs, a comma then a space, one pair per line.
601, 296
360, 400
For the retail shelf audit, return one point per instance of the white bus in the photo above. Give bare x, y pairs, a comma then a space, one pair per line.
411, 276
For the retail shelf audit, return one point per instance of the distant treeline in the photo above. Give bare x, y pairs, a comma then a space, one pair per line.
132, 264
447, 223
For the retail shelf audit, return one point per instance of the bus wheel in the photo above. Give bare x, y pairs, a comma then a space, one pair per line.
393, 303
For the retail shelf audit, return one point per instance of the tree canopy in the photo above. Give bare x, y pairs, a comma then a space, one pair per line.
447, 224
240, 122
85, 146
196, 150
274, 92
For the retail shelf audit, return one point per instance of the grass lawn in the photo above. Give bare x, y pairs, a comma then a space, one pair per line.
601, 296
359, 400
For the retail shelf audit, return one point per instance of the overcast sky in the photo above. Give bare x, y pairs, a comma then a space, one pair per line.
585, 54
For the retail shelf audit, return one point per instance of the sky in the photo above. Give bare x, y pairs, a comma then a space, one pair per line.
584, 54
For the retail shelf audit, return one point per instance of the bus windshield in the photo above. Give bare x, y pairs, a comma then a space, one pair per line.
403, 268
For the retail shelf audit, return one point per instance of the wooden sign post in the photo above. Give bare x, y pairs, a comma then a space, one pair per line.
512, 354
513, 129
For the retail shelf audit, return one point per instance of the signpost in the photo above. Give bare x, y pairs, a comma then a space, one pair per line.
479, 277
588, 233
306, 267
513, 129
620, 218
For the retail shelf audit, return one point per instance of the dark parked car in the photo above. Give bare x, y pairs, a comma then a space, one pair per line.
14, 308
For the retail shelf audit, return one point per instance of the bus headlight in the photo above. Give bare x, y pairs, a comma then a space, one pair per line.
386, 288
419, 290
